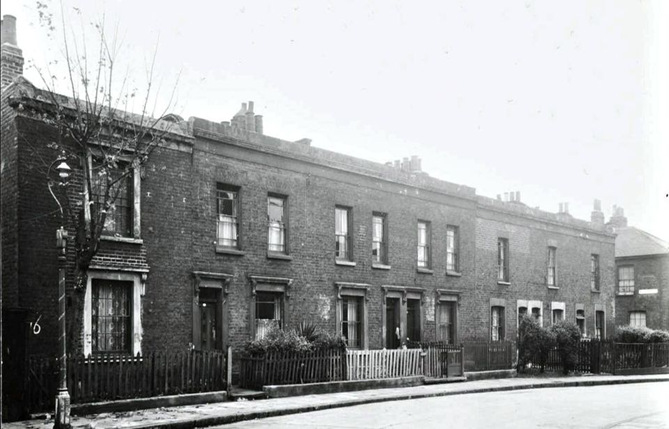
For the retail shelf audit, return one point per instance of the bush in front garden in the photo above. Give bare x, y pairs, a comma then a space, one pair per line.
638, 334
303, 339
277, 341
567, 337
534, 343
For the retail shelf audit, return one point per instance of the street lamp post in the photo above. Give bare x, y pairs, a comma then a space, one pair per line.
62, 411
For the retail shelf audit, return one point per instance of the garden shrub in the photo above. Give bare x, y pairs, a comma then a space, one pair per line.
305, 338
637, 334
534, 343
567, 337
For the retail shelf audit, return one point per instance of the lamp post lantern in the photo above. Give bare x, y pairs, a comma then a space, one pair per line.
62, 411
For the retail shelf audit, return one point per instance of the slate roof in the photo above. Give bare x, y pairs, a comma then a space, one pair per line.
635, 242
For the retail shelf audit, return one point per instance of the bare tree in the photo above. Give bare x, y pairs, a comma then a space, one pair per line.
107, 127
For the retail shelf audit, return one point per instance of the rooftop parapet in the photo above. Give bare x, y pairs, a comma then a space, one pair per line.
302, 149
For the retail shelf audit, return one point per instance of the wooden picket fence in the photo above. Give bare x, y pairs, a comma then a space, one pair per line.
292, 368
488, 356
108, 377
376, 364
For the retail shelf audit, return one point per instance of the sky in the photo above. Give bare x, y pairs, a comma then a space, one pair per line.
562, 101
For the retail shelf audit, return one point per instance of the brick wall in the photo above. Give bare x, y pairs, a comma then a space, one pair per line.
528, 259
650, 272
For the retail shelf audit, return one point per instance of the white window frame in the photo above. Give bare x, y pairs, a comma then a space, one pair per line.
138, 279
358, 290
638, 313
559, 306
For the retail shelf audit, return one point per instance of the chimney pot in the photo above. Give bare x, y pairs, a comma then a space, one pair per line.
566, 207
251, 106
259, 124
8, 33
518, 196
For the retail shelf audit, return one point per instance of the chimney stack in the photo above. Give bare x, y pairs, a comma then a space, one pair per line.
517, 196
597, 216
415, 164
12, 56
246, 119
250, 121
618, 219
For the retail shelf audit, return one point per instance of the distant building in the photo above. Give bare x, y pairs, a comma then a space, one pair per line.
642, 278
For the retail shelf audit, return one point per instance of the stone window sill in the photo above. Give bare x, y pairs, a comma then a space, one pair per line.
228, 251
425, 271
122, 239
344, 263
279, 256
553, 287
595, 291
378, 266
503, 283
453, 273
624, 293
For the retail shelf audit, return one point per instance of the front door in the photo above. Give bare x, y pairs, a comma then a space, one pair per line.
209, 314
392, 323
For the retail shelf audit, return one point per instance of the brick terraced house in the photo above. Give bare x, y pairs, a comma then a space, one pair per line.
228, 232
642, 276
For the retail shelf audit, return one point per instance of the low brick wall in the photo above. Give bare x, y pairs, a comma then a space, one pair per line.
341, 386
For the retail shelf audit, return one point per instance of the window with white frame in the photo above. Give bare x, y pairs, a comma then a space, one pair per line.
342, 234
379, 239
276, 224
551, 275
626, 280
497, 323
227, 202
423, 257
452, 248
111, 316
638, 318
558, 315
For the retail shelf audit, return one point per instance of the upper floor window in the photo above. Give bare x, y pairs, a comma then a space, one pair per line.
452, 249
114, 185
276, 223
497, 323
227, 200
638, 318
551, 275
424, 245
379, 239
626, 280
594, 272
342, 233
503, 259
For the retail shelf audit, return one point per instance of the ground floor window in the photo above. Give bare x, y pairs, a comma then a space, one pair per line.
111, 316
446, 321
269, 312
638, 318
351, 313
558, 315
599, 325
580, 321
351, 322
497, 323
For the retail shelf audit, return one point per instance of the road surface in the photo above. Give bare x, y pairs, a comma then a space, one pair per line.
644, 405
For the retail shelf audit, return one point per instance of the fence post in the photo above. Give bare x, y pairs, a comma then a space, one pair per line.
614, 356
462, 360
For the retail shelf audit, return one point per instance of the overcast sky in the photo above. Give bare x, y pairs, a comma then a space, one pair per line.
562, 101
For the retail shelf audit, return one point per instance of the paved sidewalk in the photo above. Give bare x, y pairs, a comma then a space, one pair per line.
193, 416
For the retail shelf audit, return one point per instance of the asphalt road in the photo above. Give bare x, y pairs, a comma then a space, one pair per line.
618, 406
